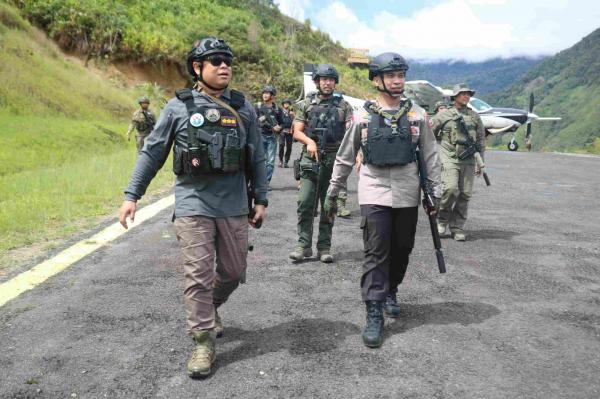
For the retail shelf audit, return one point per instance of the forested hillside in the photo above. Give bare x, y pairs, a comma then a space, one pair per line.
485, 77
566, 85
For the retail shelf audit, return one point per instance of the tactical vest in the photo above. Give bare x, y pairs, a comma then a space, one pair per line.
323, 123
146, 124
270, 118
286, 118
216, 142
389, 141
452, 132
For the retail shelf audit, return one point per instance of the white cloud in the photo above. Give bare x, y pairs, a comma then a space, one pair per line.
466, 29
293, 8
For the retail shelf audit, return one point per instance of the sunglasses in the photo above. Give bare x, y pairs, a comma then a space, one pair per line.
217, 60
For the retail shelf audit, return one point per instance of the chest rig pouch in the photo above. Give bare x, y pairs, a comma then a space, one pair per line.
216, 144
389, 140
324, 124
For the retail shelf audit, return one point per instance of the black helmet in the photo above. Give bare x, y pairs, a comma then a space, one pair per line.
325, 70
204, 48
387, 62
287, 100
269, 89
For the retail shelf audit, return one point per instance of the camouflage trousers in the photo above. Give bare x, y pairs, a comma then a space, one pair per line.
139, 141
457, 183
307, 198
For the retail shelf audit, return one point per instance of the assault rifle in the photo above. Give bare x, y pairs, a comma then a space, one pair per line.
472, 149
149, 125
429, 204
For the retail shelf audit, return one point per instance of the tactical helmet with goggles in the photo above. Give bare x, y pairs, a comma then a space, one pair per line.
325, 71
205, 48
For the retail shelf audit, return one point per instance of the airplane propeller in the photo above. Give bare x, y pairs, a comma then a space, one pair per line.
528, 134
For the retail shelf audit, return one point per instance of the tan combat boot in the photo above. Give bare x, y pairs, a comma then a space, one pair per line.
342, 211
325, 256
203, 354
459, 236
218, 325
300, 253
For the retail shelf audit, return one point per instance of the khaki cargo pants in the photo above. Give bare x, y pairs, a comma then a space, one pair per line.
457, 182
202, 241
139, 141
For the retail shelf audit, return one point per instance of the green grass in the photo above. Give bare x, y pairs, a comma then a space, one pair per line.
64, 160
49, 203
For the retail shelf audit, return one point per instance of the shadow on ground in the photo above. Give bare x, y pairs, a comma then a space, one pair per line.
444, 313
491, 235
309, 336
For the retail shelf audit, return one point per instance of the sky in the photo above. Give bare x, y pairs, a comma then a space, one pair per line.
472, 30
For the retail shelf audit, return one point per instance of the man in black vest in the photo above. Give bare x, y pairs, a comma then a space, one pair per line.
285, 136
387, 135
215, 140
269, 118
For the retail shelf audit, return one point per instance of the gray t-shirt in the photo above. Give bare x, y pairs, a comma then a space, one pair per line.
218, 195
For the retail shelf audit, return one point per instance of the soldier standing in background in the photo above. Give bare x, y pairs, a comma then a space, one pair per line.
457, 128
285, 136
143, 122
269, 118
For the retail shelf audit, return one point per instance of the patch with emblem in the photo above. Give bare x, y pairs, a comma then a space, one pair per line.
196, 120
411, 114
212, 115
228, 121
387, 121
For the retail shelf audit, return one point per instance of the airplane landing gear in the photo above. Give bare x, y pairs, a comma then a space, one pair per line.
513, 145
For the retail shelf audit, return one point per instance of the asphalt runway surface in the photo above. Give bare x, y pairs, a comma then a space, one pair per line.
516, 316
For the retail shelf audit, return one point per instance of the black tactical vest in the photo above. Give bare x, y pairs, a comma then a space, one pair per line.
286, 119
270, 117
323, 123
388, 143
216, 142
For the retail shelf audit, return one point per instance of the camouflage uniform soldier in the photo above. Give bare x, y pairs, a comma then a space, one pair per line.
439, 106
458, 128
143, 122
215, 138
320, 124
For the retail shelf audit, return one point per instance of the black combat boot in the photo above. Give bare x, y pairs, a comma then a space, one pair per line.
373, 332
391, 307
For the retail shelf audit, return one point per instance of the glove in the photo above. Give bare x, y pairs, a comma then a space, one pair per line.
330, 207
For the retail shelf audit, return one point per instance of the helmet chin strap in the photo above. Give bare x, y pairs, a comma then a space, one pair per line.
385, 89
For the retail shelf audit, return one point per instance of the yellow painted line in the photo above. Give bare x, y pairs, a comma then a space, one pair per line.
40, 273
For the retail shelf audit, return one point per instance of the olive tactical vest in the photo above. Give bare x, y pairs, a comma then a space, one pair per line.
324, 124
389, 139
215, 143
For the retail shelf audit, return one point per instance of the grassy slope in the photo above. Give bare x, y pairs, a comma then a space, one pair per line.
566, 85
63, 157
269, 47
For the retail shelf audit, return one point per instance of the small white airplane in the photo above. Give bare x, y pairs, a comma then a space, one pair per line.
497, 121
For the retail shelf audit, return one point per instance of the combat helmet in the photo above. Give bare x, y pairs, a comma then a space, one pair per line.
269, 89
325, 70
203, 48
143, 99
386, 62
438, 105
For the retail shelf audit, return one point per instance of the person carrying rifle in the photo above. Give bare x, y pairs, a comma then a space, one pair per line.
320, 124
213, 133
462, 137
142, 121
269, 118
389, 190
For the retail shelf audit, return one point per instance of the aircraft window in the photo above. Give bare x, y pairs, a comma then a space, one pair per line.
479, 105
